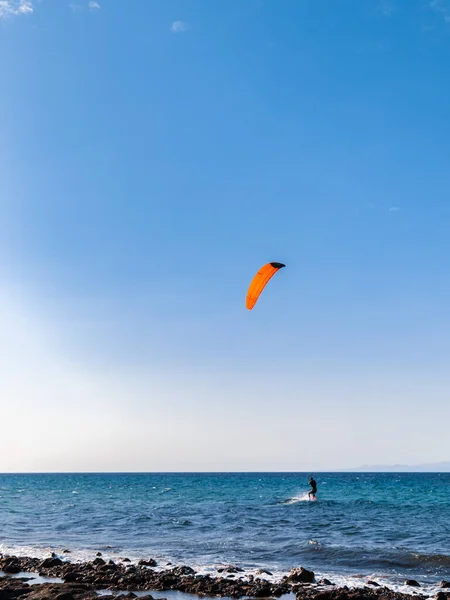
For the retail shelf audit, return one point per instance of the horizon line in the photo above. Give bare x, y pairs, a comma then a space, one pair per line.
380, 470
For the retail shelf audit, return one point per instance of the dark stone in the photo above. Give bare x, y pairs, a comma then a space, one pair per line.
12, 588
445, 584
182, 570
263, 572
12, 568
230, 569
48, 563
126, 560
301, 575
325, 582
412, 583
98, 562
374, 583
319, 596
109, 567
71, 576
262, 591
98, 554
148, 563
10, 564
66, 551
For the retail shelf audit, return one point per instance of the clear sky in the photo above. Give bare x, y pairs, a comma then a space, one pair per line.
153, 155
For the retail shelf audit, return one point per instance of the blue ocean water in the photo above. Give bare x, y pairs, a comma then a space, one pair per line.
390, 526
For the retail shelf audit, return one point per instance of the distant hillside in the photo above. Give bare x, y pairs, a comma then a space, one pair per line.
441, 467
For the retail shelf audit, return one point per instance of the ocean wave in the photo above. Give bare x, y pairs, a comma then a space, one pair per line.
365, 559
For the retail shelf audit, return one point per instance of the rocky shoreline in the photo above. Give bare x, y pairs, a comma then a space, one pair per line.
83, 581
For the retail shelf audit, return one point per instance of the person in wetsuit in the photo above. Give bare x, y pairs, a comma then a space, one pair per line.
313, 484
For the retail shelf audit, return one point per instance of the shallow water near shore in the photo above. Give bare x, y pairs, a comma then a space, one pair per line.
385, 526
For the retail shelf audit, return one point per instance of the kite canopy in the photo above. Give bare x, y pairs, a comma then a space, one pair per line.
260, 281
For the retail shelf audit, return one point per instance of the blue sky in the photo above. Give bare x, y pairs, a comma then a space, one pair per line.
153, 155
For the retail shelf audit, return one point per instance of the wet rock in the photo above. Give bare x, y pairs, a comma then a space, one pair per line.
262, 591
12, 568
10, 589
98, 562
13, 589
64, 596
127, 560
325, 582
441, 596
444, 584
412, 583
374, 583
99, 554
62, 592
230, 569
71, 576
108, 567
48, 563
182, 570
280, 590
320, 596
263, 572
66, 551
301, 575
148, 563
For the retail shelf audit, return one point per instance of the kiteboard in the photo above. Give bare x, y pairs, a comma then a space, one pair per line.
303, 498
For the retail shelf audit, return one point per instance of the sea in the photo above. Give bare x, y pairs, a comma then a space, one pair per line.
387, 527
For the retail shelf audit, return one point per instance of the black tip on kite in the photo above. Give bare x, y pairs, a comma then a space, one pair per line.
277, 265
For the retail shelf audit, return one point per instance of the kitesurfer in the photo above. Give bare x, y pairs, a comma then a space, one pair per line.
313, 484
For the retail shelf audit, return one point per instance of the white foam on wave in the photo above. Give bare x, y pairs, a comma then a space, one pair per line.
76, 555
304, 497
28, 551
360, 581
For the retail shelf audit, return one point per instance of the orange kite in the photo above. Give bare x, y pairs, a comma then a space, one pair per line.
260, 281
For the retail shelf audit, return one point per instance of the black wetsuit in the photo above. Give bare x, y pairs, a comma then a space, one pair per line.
313, 485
